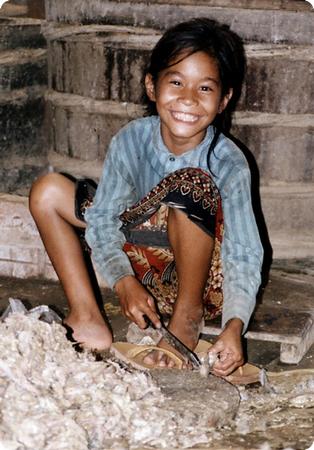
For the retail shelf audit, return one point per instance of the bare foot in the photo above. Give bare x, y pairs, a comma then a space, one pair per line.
92, 332
159, 359
185, 325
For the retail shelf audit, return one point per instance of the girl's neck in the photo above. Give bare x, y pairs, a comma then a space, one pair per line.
180, 145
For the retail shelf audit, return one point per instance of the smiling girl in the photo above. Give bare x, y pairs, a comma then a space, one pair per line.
171, 227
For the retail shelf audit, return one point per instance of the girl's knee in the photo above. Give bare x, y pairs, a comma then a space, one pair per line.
45, 191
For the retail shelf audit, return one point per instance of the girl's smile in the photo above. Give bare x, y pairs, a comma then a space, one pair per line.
188, 98
184, 117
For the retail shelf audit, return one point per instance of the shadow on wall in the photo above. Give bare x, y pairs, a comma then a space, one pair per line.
36, 9
257, 208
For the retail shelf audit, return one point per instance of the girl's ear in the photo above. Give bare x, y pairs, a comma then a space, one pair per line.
224, 102
150, 87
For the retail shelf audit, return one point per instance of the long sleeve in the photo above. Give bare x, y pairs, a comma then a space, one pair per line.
242, 251
114, 194
137, 160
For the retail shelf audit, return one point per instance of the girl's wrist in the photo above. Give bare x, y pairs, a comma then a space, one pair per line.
123, 282
234, 324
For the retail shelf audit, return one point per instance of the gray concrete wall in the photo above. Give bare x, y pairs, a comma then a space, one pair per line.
261, 24
23, 82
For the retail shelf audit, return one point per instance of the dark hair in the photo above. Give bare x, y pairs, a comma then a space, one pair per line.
213, 38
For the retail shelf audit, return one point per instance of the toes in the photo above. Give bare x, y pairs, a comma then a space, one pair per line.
170, 363
166, 361
158, 359
151, 358
162, 362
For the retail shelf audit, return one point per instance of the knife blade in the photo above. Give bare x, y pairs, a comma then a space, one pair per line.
188, 354
172, 340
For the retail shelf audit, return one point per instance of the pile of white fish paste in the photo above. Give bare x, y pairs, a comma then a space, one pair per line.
54, 398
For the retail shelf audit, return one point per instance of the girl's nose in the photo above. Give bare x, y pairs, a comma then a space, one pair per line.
188, 97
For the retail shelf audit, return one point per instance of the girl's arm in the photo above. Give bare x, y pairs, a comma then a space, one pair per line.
242, 252
114, 194
242, 255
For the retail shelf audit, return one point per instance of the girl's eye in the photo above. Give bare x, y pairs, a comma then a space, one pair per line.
206, 89
175, 82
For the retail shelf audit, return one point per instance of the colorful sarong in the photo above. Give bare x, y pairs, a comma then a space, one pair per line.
145, 228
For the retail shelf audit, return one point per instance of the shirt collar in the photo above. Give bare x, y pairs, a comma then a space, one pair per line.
162, 151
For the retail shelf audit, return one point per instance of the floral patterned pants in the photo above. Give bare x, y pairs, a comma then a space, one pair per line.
145, 228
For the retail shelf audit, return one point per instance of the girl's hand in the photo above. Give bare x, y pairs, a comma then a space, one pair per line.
228, 348
136, 302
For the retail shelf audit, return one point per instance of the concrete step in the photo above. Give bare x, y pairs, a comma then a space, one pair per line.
104, 62
22, 254
264, 23
23, 150
291, 245
82, 128
282, 144
18, 174
21, 118
23, 67
291, 5
288, 208
107, 63
279, 79
74, 166
20, 32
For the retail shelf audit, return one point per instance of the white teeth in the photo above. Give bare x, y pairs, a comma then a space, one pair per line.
184, 117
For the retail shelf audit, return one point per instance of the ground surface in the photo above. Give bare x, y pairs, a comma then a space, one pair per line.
277, 416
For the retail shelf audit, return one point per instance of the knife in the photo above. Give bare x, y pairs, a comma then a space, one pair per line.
172, 340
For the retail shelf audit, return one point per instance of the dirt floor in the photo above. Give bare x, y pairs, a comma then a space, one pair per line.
278, 415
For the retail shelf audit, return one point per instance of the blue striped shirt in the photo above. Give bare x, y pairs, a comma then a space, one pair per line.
136, 161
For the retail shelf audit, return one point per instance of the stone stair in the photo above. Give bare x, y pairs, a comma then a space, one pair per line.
23, 151
96, 54
23, 81
96, 87
257, 20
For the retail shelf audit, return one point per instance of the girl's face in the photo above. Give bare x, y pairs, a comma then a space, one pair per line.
188, 98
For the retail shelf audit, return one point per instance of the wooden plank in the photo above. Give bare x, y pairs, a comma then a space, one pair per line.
291, 353
293, 330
